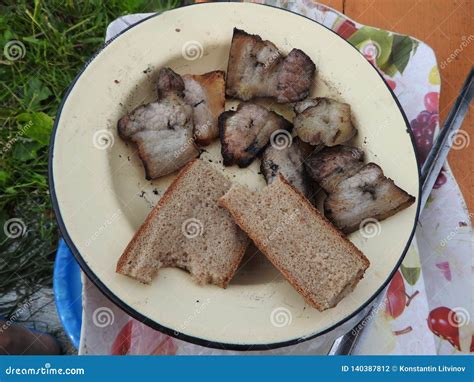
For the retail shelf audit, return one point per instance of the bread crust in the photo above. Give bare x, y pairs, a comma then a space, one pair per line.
167, 195
329, 225
234, 267
264, 249
224, 279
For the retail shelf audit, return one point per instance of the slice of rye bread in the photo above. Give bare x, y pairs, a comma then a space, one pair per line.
188, 230
320, 263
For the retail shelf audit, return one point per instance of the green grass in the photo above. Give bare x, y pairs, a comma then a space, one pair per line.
58, 38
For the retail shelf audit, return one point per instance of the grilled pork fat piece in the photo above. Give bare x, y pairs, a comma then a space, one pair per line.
289, 162
323, 121
162, 130
331, 165
257, 68
246, 131
206, 94
366, 194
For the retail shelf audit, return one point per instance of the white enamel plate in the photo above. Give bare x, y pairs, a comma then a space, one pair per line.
101, 196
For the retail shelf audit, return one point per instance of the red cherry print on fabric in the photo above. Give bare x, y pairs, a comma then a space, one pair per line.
444, 323
396, 297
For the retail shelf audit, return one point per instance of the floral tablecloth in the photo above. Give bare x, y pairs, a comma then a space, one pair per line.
428, 304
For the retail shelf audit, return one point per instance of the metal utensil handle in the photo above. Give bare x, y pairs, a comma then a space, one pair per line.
345, 344
440, 149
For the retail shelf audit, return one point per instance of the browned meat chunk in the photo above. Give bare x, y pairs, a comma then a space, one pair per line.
367, 194
257, 68
331, 165
289, 162
169, 84
245, 132
206, 94
162, 130
323, 121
